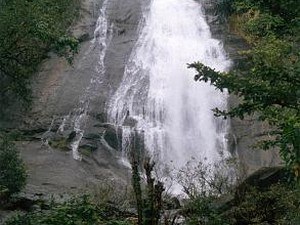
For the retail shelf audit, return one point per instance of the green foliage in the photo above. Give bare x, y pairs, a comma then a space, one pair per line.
269, 86
262, 24
120, 195
12, 169
202, 210
117, 222
29, 29
76, 211
287, 9
247, 203
266, 17
280, 204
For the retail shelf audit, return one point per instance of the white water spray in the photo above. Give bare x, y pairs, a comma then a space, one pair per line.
158, 91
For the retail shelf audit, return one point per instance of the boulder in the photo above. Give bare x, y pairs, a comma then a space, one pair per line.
113, 137
262, 179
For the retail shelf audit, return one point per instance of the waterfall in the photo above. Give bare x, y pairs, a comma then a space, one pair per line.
158, 91
78, 115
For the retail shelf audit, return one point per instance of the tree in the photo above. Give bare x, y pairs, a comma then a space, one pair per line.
148, 201
29, 30
12, 170
269, 86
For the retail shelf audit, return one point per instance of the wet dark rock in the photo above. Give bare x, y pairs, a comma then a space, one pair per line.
35, 131
263, 179
104, 125
20, 203
261, 199
47, 136
113, 136
101, 117
90, 147
84, 37
92, 136
71, 136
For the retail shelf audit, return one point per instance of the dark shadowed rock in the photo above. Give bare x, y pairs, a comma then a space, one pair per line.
71, 136
113, 136
90, 145
263, 179
92, 136
101, 117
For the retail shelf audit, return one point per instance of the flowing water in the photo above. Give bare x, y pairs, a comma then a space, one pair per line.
171, 110
77, 117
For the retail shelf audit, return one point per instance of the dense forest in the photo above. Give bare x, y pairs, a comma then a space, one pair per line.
268, 86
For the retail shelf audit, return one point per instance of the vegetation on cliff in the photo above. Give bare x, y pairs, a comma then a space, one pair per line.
29, 30
80, 210
263, 198
12, 170
269, 85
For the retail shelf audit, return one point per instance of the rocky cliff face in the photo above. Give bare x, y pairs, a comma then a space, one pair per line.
244, 133
65, 96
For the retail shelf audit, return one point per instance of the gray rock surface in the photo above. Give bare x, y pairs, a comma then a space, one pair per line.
59, 93
58, 96
244, 133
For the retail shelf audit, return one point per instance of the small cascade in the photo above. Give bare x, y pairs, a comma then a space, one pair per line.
61, 127
127, 135
158, 92
77, 117
45, 136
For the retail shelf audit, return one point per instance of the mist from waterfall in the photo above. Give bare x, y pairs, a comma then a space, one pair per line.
171, 110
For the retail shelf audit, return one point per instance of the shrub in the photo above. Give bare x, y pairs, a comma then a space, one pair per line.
109, 191
280, 204
202, 210
12, 169
76, 211
80, 210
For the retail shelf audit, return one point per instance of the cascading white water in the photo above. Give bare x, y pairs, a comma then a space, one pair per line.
126, 144
173, 111
79, 114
